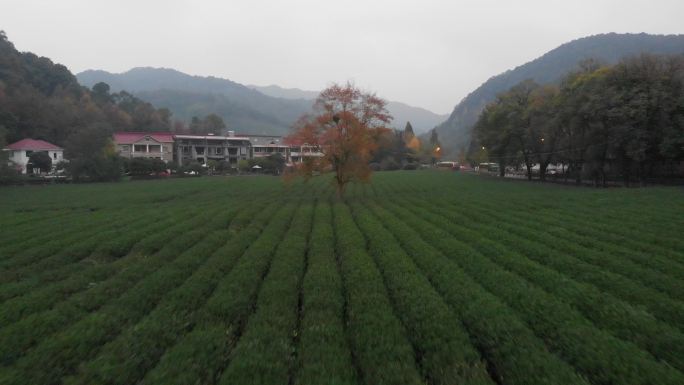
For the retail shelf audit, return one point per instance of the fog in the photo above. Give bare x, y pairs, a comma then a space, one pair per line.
426, 53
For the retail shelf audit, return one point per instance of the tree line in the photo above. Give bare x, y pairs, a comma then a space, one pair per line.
399, 149
622, 122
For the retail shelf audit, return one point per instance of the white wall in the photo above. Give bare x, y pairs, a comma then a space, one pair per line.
18, 157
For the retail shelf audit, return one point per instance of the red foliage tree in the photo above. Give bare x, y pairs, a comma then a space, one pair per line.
345, 126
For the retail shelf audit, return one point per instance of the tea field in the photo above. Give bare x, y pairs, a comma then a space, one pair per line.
417, 278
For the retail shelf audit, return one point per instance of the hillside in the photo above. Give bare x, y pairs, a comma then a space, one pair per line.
421, 119
40, 99
551, 67
186, 96
264, 110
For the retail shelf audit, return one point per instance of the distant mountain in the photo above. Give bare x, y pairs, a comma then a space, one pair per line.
285, 93
242, 108
551, 67
253, 109
421, 119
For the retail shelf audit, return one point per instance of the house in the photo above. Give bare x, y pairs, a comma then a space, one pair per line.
153, 145
202, 148
265, 145
20, 152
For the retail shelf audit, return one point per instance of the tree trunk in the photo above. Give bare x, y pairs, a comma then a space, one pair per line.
341, 183
542, 171
528, 166
340, 189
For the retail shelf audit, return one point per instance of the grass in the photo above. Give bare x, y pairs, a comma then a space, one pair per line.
417, 278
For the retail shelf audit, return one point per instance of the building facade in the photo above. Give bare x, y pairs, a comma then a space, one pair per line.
202, 148
185, 148
152, 145
20, 152
265, 145
301, 151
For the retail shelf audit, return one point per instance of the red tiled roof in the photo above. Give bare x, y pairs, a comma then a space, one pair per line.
33, 145
132, 137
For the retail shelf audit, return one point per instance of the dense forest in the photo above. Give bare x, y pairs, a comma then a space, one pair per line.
624, 121
43, 100
550, 68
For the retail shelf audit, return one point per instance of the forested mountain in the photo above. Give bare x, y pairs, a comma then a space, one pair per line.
455, 133
43, 100
242, 108
421, 119
262, 110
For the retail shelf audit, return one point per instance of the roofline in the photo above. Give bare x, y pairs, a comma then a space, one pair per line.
145, 132
261, 136
271, 145
33, 149
218, 137
143, 135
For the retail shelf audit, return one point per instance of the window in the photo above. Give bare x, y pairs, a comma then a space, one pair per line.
232, 151
186, 149
139, 148
126, 148
199, 150
257, 149
219, 150
154, 148
54, 155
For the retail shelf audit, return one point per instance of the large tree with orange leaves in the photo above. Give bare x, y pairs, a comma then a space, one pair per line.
345, 126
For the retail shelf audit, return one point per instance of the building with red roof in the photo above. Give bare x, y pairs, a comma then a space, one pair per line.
154, 145
19, 153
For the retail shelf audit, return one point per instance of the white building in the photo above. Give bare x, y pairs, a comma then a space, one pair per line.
152, 145
20, 152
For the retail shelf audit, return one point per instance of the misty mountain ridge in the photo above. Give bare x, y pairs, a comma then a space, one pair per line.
422, 120
260, 110
242, 108
455, 133
285, 93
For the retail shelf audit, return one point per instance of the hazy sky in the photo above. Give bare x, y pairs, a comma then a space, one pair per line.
426, 53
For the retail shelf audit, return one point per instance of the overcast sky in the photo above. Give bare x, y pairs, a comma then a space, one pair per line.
426, 53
